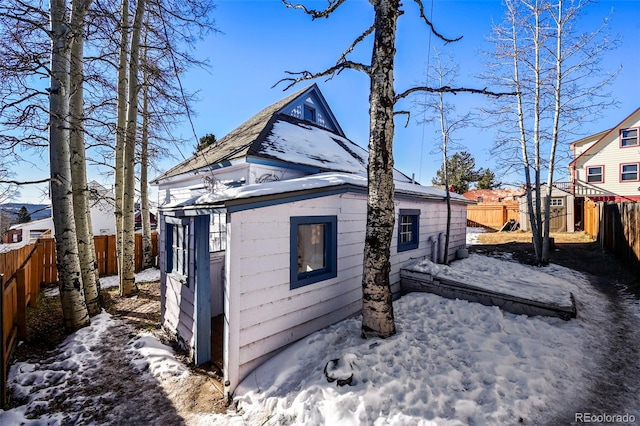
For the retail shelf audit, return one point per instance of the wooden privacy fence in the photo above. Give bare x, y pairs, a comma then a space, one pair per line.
617, 228
105, 255
23, 270
493, 215
20, 277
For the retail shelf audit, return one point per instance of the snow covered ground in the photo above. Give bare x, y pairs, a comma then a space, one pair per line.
452, 362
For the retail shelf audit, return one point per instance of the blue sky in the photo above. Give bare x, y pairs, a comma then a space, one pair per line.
260, 40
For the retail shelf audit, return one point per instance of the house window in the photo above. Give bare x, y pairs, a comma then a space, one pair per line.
629, 172
408, 229
177, 248
628, 137
309, 113
314, 249
558, 202
218, 232
595, 174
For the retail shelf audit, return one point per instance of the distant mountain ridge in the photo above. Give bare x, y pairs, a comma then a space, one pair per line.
37, 211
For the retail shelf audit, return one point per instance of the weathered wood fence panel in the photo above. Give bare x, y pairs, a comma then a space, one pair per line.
105, 255
19, 287
616, 226
492, 215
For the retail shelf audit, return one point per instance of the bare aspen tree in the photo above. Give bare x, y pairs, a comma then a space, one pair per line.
74, 308
377, 308
145, 219
82, 212
556, 73
435, 108
127, 273
121, 124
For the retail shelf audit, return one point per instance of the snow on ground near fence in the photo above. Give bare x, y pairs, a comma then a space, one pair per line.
147, 276
472, 235
452, 362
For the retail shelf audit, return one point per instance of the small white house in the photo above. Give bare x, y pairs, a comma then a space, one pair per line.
262, 235
103, 219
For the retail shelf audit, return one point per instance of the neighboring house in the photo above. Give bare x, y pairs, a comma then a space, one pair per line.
606, 166
103, 218
494, 195
262, 235
562, 217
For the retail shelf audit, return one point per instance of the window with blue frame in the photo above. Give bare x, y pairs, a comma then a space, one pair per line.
408, 229
314, 249
177, 248
309, 113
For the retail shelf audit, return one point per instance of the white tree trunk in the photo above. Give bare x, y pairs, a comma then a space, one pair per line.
82, 213
377, 306
121, 124
127, 277
74, 308
147, 245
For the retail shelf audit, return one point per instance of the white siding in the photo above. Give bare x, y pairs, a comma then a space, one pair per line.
610, 155
264, 314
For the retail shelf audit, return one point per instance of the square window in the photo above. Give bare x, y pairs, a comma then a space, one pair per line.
557, 202
629, 172
309, 113
313, 249
628, 137
595, 174
408, 229
218, 232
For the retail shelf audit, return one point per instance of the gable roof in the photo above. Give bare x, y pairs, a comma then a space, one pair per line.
602, 137
247, 138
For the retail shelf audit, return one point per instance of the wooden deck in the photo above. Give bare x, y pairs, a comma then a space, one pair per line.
411, 281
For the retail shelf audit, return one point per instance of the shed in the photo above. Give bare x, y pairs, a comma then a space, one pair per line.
292, 263
262, 234
562, 210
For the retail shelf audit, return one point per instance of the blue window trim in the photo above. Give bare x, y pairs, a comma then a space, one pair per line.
414, 215
298, 280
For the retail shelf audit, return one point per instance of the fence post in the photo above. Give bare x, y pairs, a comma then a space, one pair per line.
22, 303
3, 356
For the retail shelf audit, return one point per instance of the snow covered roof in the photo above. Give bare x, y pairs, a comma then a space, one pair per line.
320, 182
279, 133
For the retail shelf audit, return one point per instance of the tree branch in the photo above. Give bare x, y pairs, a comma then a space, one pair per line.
331, 7
331, 72
29, 182
433, 30
407, 113
454, 90
364, 35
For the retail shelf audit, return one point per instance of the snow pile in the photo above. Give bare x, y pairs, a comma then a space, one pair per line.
148, 353
51, 380
496, 275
